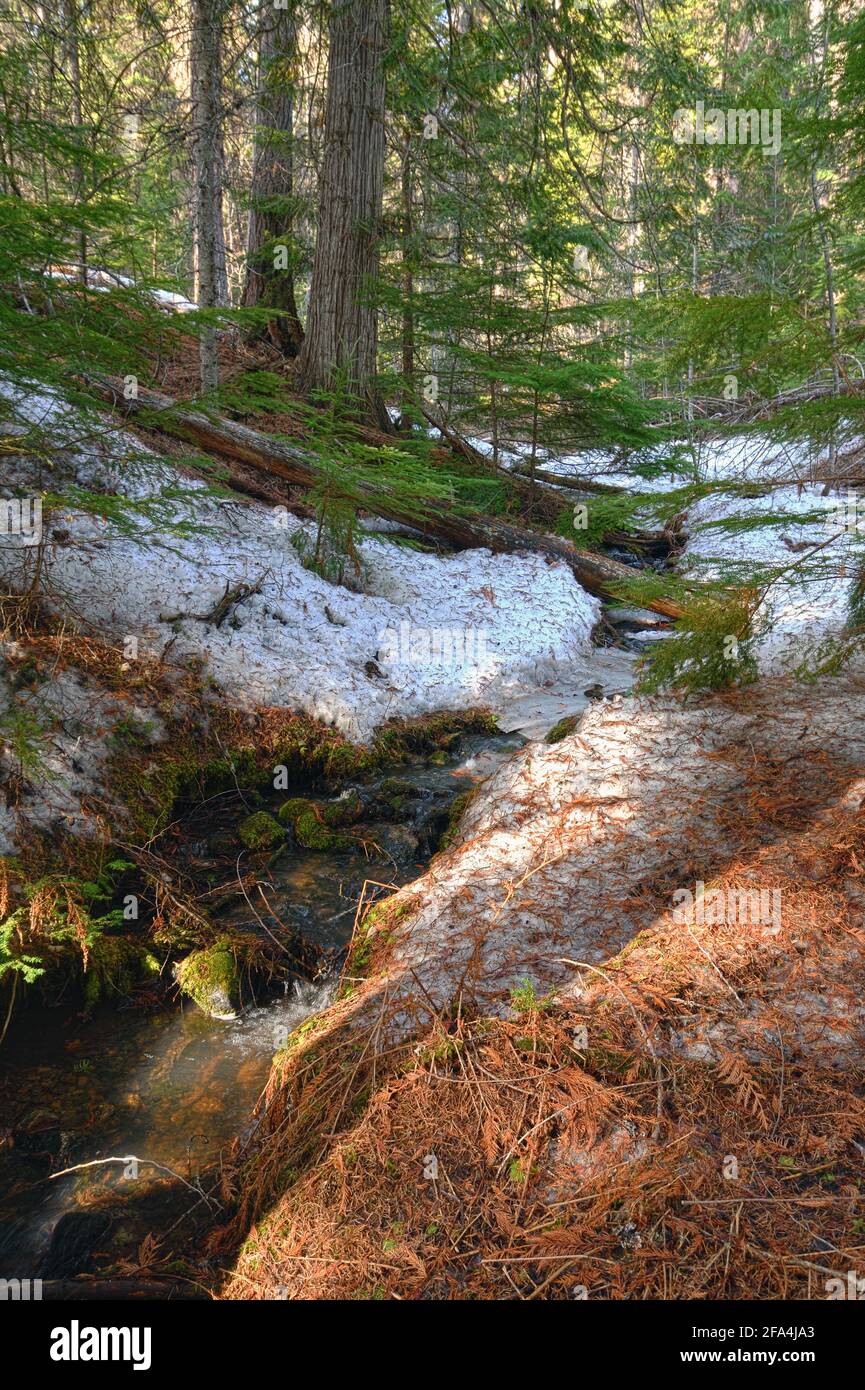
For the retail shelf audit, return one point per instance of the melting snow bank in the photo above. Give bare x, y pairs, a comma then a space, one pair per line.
426, 633
801, 538
810, 558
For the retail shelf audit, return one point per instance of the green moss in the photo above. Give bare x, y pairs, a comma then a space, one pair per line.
260, 831
394, 795
396, 787
313, 821
211, 979
197, 758
345, 811
193, 764
114, 966
458, 807
133, 733
563, 728
375, 930
313, 834
291, 809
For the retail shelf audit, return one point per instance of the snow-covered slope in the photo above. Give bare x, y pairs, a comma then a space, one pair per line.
426, 633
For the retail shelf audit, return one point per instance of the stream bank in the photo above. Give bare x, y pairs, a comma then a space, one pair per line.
135, 1075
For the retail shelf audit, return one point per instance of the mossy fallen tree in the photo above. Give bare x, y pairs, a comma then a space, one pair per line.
599, 574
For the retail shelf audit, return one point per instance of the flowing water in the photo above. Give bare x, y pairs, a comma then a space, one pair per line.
169, 1084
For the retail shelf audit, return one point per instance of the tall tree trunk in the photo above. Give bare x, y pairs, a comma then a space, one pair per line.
269, 272
820, 16
208, 164
408, 257
341, 330
70, 26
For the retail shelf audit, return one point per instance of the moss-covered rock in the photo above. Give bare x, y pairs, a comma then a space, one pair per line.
396, 786
563, 728
291, 809
345, 811
211, 979
313, 833
261, 831
314, 821
394, 798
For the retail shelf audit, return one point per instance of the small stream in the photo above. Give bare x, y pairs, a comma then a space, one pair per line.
169, 1084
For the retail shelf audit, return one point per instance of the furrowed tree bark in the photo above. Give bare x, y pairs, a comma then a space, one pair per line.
597, 573
269, 273
211, 286
341, 330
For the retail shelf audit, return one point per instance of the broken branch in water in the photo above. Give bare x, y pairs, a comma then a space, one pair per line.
130, 1158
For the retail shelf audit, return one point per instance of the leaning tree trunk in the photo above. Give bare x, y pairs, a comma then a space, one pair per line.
208, 164
341, 329
269, 272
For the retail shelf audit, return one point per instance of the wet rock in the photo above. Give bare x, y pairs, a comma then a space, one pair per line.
74, 1241
38, 1134
396, 842
211, 979
395, 799
312, 833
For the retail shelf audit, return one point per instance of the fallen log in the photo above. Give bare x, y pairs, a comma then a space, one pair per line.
597, 573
